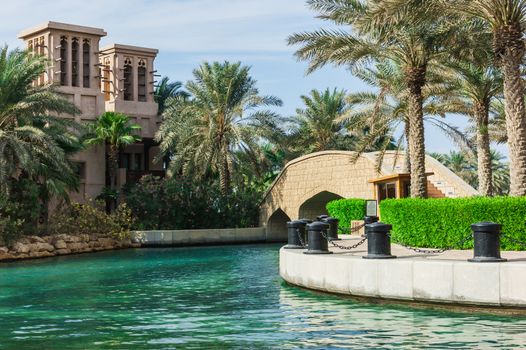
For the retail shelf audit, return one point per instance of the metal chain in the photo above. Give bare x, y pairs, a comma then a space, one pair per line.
351, 229
342, 246
300, 239
434, 251
516, 241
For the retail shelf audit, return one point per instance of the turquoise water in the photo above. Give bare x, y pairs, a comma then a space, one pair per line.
212, 298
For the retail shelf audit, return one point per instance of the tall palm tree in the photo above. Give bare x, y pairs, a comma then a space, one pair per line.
220, 120
477, 85
386, 111
416, 44
316, 126
33, 143
115, 131
166, 89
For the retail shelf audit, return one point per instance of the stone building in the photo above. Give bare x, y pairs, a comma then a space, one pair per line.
117, 78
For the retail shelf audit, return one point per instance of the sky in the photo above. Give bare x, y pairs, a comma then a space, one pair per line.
189, 32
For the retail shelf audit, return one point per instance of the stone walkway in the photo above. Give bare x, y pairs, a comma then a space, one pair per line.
403, 253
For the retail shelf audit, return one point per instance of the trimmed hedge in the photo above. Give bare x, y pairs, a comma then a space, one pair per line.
347, 210
438, 223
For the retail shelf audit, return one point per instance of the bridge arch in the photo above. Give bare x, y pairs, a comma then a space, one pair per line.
277, 226
316, 204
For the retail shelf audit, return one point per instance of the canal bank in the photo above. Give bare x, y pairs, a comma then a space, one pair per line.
441, 278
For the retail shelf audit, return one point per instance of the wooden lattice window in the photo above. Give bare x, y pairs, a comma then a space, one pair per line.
63, 61
128, 79
141, 81
75, 62
86, 63
106, 79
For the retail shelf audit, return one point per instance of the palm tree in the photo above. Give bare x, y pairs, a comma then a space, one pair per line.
115, 131
507, 19
220, 120
315, 126
416, 44
465, 166
386, 111
477, 85
33, 143
167, 89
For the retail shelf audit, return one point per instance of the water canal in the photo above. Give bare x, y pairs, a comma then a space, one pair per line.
228, 297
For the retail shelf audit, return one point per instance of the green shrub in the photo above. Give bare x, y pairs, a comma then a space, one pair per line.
91, 219
438, 223
347, 210
175, 203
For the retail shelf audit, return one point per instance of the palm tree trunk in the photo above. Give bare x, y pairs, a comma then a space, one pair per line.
415, 81
224, 172
483, 150
407, 158
113, 164
510, 52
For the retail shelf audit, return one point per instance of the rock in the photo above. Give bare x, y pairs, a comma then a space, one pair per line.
36, 239
20, 248
60, 244
41, 247
84, 238
5, 255
74, 247
48, 239
4, 250
63, 251
41, 254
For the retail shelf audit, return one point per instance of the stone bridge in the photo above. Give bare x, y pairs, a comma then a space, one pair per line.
308, 183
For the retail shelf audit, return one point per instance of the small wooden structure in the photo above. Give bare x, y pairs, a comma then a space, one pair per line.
399, 186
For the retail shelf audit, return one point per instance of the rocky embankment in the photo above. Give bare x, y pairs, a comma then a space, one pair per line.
31, 247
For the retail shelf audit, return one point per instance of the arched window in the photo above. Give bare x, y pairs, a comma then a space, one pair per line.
128, 79
86, 63
63, 61
106, 79
141, 80
75, 62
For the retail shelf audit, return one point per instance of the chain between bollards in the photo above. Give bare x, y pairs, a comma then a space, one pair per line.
352, 229
434, 251
342, 246
300, 239
513, 240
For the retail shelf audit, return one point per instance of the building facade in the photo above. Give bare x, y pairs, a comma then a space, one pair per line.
116, 78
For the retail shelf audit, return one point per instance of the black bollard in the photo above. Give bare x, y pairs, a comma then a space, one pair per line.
317, 243
333, 228
321, 217
295, 230
305, 237
378, 241
370, 219
486, 247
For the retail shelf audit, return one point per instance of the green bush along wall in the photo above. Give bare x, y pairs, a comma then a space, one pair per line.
439, 223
